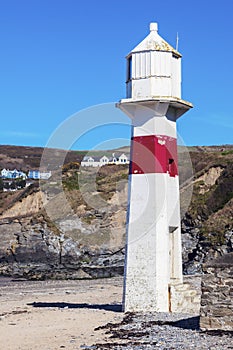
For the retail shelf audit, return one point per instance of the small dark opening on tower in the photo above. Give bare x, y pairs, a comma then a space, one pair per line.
129, 68
171, 167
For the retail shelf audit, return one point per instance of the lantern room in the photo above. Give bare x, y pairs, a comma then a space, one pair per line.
153, 69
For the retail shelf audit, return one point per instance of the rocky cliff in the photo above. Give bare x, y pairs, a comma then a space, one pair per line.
73, 226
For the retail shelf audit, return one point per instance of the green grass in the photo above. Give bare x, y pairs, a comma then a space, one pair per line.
225, 153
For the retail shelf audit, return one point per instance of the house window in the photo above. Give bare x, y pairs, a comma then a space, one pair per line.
129, 68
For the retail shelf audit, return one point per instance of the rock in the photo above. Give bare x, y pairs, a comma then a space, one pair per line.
30, 249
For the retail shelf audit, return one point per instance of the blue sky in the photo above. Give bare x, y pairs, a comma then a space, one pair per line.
59, 57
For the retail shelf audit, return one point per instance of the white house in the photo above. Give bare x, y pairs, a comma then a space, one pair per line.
4, 173
13, 174
37, 174
90, 161
104, 160
100, 161
34, 174
123, 159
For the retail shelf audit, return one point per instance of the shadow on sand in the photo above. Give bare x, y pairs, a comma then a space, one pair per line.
187, 323
60, 305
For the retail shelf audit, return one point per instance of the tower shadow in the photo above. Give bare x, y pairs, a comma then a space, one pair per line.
192, 323
62, 305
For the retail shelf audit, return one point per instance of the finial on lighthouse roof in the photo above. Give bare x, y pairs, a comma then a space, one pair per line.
154, 42
153, 27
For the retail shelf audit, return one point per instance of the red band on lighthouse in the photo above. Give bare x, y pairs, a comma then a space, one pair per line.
154, 154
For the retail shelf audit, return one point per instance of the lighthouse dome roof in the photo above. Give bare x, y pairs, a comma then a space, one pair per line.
154, 42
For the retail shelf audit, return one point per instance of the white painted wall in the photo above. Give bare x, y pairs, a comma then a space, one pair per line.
153, 233
147, 274
153, 252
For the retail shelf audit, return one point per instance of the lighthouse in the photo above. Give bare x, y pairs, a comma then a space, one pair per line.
153, 101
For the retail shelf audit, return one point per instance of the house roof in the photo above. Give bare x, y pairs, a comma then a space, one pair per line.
86, 158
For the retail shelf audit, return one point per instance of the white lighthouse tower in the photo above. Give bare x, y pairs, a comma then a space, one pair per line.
153, 249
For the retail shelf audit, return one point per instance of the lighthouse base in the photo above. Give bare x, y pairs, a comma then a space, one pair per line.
182, 298
153, 250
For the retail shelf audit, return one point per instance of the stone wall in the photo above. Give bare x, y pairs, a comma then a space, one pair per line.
186, 297
217, 294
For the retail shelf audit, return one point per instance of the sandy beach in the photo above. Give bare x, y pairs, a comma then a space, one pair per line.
49, 315
53, 315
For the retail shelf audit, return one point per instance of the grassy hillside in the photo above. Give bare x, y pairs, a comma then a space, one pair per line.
212, 181
75, 227
26, 158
